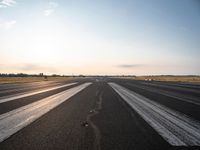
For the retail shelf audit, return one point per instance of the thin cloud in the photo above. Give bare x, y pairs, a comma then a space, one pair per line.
7, 24
7, 3
2, 6
48, 12
51, 8
53, 4
26, 68
129, 65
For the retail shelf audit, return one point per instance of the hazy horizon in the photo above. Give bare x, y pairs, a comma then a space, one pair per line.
107, 37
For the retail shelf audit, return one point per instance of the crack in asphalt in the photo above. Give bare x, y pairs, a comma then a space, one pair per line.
97, 133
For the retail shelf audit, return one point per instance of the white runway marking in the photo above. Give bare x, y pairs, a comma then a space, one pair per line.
13, 121
179, 96
21, 95
176, 128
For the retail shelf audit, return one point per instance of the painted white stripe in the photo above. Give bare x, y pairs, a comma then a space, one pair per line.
15, 120
176, 128
21, 95
179, 96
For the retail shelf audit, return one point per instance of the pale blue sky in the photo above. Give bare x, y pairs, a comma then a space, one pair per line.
100, 36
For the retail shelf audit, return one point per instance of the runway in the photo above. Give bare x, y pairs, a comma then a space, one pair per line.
100, 113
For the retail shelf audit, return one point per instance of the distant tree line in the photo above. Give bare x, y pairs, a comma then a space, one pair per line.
56, 75
36, 75
20, 75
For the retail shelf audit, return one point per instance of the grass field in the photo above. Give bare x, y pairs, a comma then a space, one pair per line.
31, 79
191, 79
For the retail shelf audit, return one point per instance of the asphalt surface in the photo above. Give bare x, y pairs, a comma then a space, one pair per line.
97, 117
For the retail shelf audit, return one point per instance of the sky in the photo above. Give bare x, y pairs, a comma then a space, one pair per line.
100, 37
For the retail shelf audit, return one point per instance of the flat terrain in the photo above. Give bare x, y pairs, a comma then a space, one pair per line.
32, 79
100, 113
170, 78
